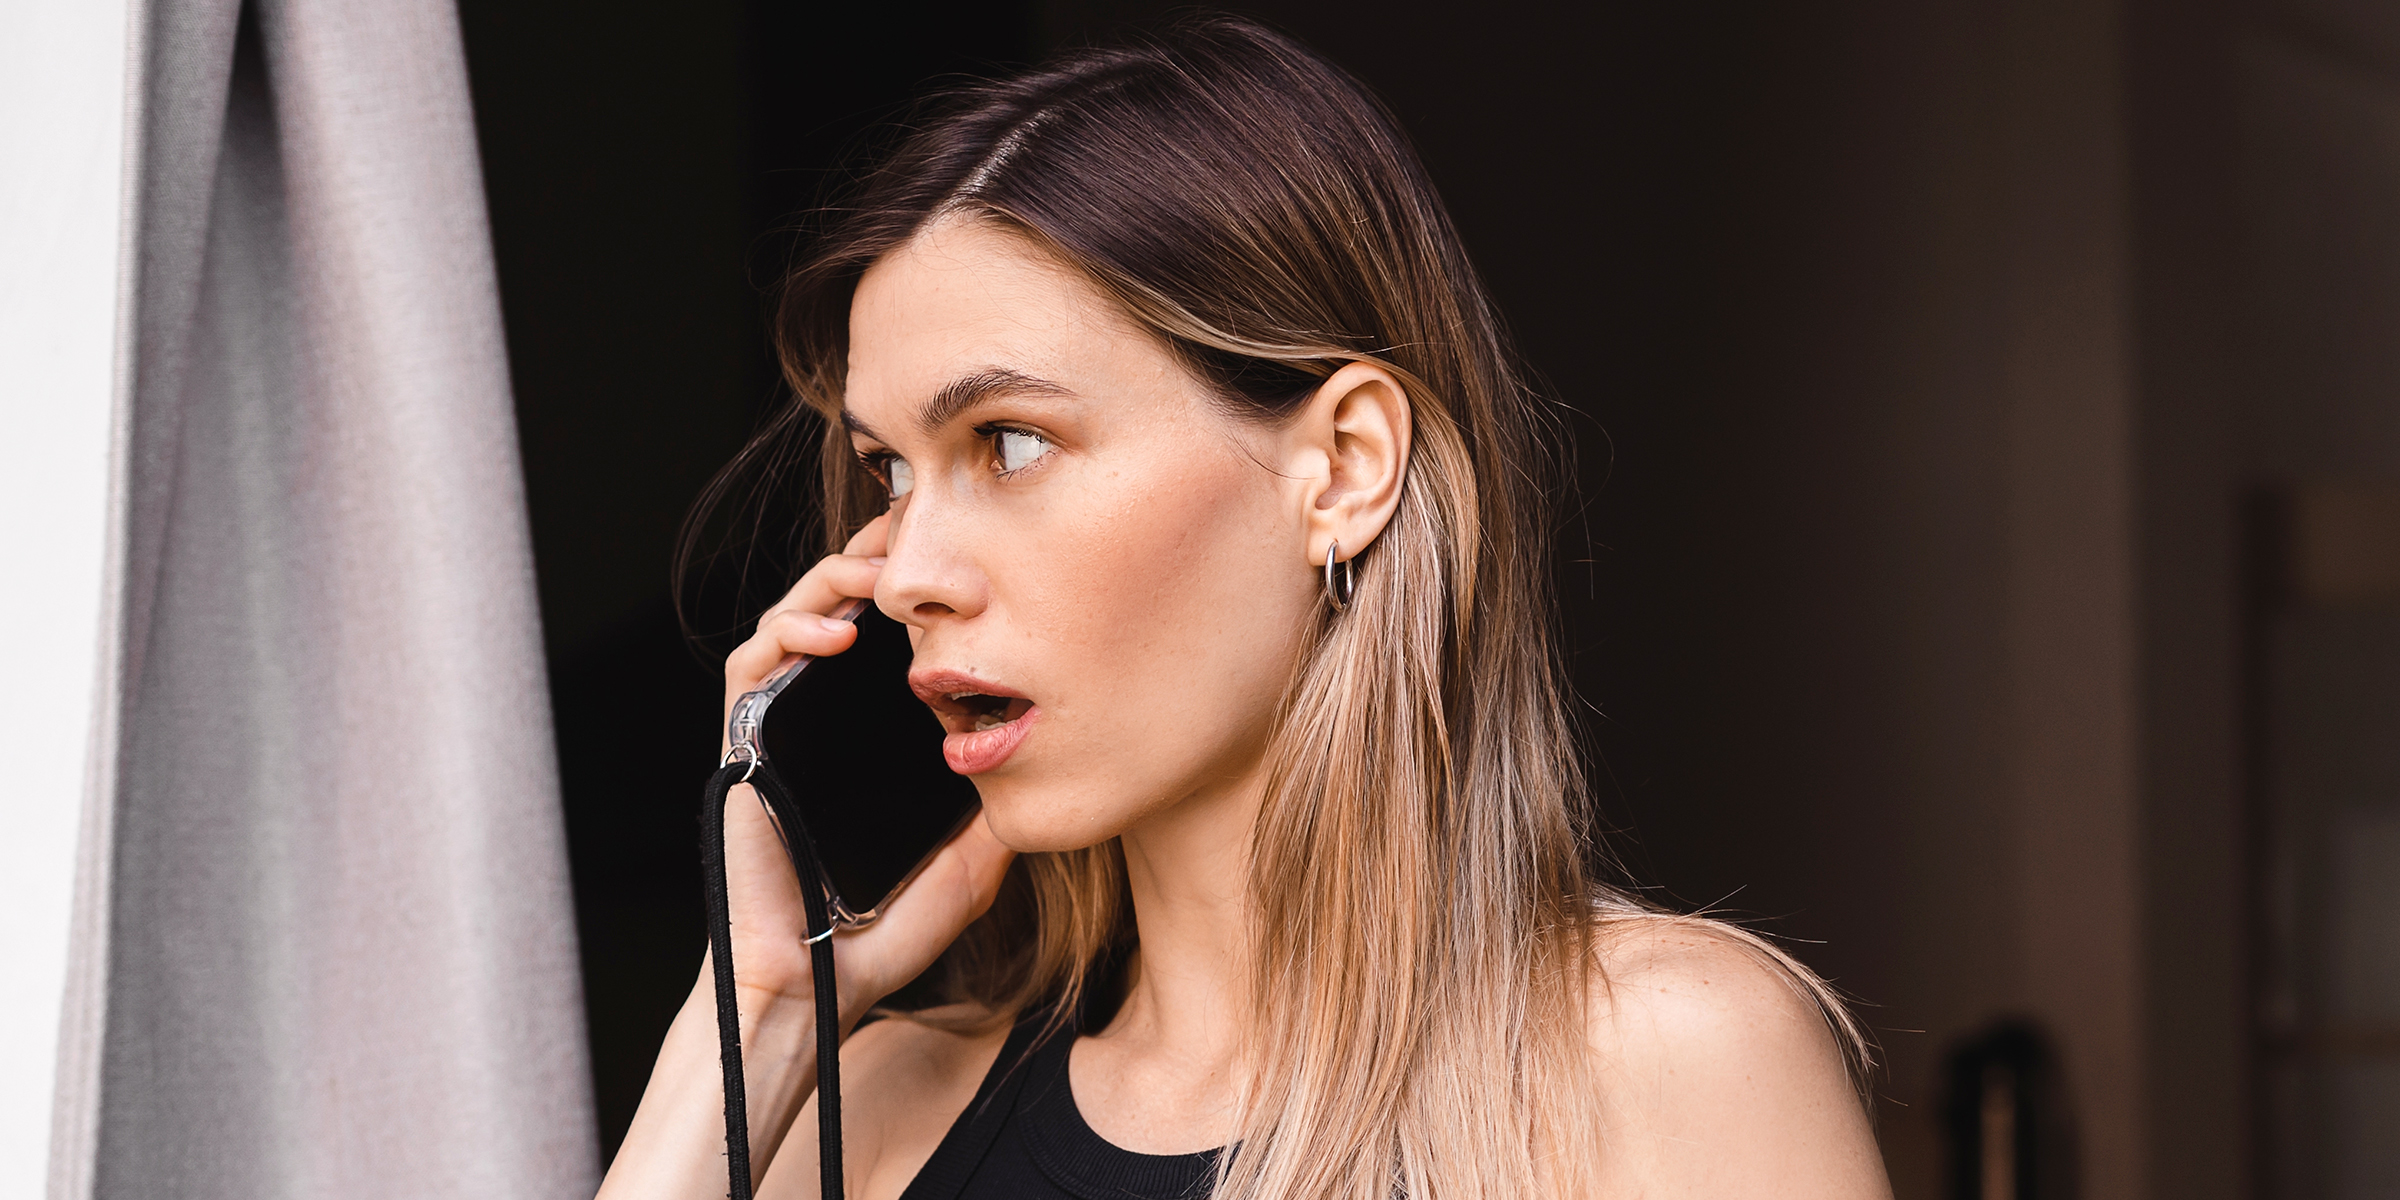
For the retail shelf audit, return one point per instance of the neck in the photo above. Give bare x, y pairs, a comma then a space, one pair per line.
1188, 870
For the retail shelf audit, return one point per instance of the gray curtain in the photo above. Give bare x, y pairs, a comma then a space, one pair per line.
324, 944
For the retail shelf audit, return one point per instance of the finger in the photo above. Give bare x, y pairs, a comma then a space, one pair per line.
958, 886
982, 859
795, 626
873, 540
779, 637
834, 578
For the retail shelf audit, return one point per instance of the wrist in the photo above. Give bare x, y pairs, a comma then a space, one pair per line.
775, 1026
770, 1010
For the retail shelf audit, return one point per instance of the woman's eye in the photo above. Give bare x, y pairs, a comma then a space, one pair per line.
897, 473
1019, 449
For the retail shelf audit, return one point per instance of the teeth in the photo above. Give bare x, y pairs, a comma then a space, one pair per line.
987, 711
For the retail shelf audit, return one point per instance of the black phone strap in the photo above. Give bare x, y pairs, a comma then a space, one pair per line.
802, 851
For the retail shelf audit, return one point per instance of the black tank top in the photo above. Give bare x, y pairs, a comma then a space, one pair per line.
1022, 1137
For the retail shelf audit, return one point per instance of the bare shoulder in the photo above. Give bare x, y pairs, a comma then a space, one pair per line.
1722, 1070
905, 1080
1668, 984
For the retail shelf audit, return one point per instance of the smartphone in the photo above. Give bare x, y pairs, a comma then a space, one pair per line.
862, 759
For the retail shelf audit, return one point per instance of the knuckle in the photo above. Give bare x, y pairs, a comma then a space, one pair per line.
782, 622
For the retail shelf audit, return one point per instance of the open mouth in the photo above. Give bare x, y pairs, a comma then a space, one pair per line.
982, 722
975, 712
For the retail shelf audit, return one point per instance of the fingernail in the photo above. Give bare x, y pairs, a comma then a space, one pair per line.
834, 624
877, 561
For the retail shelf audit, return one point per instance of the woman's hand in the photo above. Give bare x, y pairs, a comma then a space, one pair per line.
769, 926
676, 1146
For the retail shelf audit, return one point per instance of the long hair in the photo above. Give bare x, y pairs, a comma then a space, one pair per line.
1423, 868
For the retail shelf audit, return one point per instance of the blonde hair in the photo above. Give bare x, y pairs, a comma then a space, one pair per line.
1423, 865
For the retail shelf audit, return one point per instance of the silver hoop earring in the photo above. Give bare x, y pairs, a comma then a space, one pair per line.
1342, 590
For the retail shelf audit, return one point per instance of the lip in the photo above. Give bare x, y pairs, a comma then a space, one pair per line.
971, 751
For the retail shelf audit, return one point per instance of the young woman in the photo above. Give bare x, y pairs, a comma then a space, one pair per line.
1159, 400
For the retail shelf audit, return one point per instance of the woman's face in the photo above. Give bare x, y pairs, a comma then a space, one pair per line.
1105, 579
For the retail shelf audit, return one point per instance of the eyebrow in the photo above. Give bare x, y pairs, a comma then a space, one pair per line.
966, 392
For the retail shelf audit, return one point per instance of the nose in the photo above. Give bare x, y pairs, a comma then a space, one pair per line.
928, 574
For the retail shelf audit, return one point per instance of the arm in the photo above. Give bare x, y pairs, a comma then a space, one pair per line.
676, 1145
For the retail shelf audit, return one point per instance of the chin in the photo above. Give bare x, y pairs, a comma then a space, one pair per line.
1031, 818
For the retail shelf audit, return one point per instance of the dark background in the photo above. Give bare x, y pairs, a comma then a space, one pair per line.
1923, 355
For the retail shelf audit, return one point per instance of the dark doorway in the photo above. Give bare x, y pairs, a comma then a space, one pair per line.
640, 161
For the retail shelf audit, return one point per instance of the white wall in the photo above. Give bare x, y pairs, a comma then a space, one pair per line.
62, 107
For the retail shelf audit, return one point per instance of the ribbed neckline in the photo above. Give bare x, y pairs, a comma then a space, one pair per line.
1078, 1159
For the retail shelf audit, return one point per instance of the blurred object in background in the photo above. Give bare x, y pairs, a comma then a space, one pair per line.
2009, 1132
2326, 789
317, 939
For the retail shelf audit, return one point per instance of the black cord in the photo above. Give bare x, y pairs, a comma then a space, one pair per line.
720, 952
802, 852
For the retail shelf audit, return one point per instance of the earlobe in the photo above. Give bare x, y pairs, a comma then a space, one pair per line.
1356, 432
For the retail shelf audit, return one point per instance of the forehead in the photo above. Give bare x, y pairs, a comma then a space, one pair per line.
966, 297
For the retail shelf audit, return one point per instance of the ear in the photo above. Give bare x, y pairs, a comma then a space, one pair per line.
1346, 450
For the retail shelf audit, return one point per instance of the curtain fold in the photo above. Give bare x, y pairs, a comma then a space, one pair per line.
327, 945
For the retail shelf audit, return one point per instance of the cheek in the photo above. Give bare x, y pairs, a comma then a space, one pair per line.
1166, 611
1169, 565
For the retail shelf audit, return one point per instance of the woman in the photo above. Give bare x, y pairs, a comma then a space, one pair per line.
1200, 470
